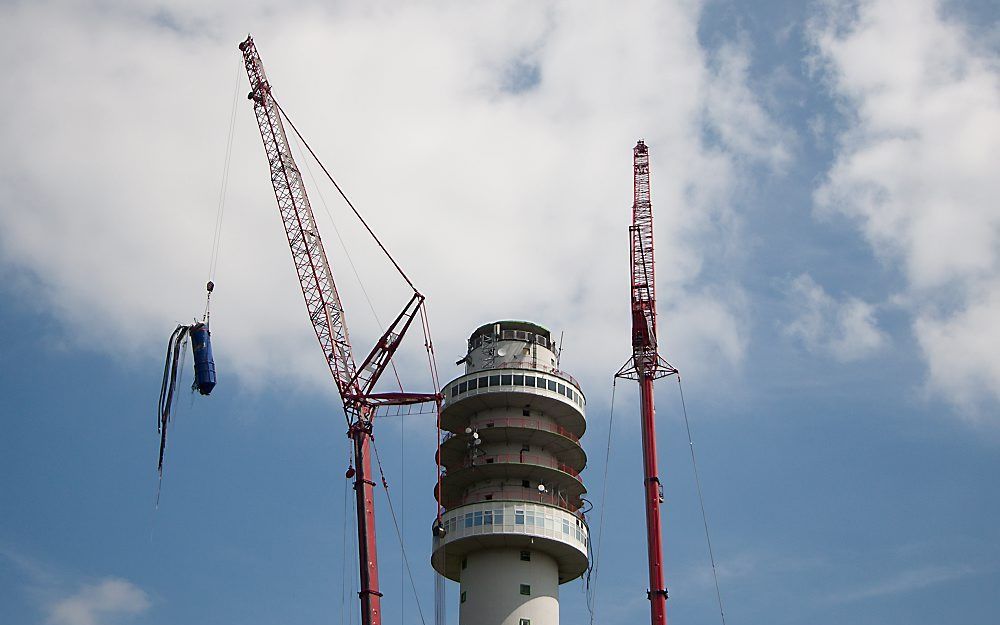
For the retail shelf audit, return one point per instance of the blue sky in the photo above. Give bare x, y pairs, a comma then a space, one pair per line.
823, 179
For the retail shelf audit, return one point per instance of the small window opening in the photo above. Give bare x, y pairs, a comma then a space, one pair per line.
463, 599
526, 556
525, 589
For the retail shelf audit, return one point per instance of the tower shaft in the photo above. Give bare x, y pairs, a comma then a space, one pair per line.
512, 529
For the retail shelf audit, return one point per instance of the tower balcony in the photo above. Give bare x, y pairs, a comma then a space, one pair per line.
511, 387
514, 525
531, 432
513, 469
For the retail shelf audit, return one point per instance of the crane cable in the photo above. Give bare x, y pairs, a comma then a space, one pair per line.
213, 262
343, 195
350, 259
701, 500
395, 523
440, 591
592, 574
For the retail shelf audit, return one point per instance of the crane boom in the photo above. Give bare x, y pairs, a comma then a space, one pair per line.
326, 313
645, 366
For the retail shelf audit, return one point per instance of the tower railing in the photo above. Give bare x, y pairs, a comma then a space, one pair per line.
521, 458
513, 493
559, 373
515, 422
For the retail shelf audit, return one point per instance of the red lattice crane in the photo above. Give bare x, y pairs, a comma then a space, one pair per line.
326, 312
645, 366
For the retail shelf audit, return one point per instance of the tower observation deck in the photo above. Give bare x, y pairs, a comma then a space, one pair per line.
512, 527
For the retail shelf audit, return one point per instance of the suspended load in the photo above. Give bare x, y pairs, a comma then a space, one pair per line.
204, 364
204, 370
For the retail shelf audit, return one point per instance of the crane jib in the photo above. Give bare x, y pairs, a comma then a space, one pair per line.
326, 314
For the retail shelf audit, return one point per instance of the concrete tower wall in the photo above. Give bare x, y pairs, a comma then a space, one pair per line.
499, 587
511, 530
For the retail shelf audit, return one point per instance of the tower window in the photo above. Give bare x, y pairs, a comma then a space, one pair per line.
525, 484
463, 598
465, 563
526, 556
526, 412
524, 621
525, 589
529, 380
519, 380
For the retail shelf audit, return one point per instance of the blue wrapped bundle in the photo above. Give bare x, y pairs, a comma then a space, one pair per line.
204, 364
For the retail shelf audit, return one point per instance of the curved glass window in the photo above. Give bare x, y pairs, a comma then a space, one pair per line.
517, 379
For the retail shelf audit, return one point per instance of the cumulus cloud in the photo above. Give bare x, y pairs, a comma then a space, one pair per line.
488, 143
847, 330
916, 170
735, 112
97, 604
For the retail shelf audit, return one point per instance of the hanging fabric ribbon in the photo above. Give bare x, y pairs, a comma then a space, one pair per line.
204, 371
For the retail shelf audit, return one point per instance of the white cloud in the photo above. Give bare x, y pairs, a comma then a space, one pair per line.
100, 603
917, 170
962, 349
846, 329
735, 112
499, 204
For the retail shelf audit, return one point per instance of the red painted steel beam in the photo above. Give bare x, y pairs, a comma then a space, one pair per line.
653, 496
364, 489
326, 313
645, 366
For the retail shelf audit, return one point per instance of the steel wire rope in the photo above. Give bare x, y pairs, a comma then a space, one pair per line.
213, 262
399, 536
350, 259
361, 284
701, 500
343, 195
440, 609
592, 587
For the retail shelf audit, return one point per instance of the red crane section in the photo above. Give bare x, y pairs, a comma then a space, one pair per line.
645, 366
326, 313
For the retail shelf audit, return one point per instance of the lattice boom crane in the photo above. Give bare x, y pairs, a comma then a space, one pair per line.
645, 366
326, 313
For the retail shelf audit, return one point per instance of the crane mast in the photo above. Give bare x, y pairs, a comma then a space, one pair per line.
326, 313
645, 366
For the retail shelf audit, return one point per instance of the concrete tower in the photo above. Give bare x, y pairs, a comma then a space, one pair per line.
513, 531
